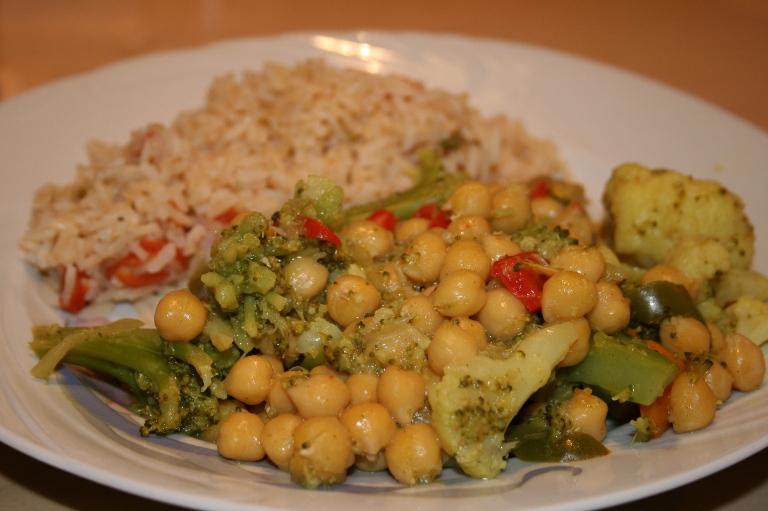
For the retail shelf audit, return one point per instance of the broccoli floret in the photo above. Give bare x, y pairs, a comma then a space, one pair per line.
432, 184
252, 304
175, 385
384, 341
543, 239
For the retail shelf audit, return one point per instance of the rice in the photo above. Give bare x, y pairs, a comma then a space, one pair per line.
245, 149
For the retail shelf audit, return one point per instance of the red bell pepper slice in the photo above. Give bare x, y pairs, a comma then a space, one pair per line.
127, 269
73, 301
539, 190
433, 213
315, 229
523, 282
227, 216
384, 218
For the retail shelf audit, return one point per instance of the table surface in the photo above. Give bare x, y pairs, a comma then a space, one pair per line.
716, 50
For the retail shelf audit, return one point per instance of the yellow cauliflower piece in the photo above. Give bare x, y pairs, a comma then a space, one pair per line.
476, 400
651, 211
739, 282
748, 316
702, 260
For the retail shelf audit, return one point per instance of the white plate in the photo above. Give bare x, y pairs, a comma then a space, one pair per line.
600, 117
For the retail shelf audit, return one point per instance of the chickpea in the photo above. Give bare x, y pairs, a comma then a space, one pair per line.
328, 370
744, 360
503, 316
673, 275
717, 339
319, 395
362, 388
277, 439
388, 279
351, 297
377, 464
407, 230
180, 316
467, 255
692, 404
611, 312
580, 347
369, 238
370, 426
588, 261
402, 392
497, 246
226, 408
322, 452
475, 330
681, 335
415, 455
586, 413
719, 380
429, 290
579, 226
546, 207
249, 379
239, 437
510, 208
470, 198
460, 293
424, 258
567, 295
424, 316
451, 343
278, 400
276, 363
468, 227
357, 326
306, 276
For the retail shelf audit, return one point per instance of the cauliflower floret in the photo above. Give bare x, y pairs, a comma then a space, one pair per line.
650, 212
747, 316
702, 260
737, 282
476, 400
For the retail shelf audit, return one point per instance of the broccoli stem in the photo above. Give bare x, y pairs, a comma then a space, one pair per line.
193, 356
122, 374
623, 368
139, 352
433, 185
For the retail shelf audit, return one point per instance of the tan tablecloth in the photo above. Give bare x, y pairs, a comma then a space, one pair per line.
717, 50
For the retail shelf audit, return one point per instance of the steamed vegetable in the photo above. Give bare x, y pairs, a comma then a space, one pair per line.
433, 185
176, 386
652, 211
457, 319
624, 369
653, 302
475, 402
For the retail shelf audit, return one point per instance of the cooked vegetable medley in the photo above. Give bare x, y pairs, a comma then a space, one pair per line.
459, 323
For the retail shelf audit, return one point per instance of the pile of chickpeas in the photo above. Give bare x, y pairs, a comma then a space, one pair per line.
316, 424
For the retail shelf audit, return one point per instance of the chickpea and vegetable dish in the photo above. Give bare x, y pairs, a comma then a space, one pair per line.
456, 324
